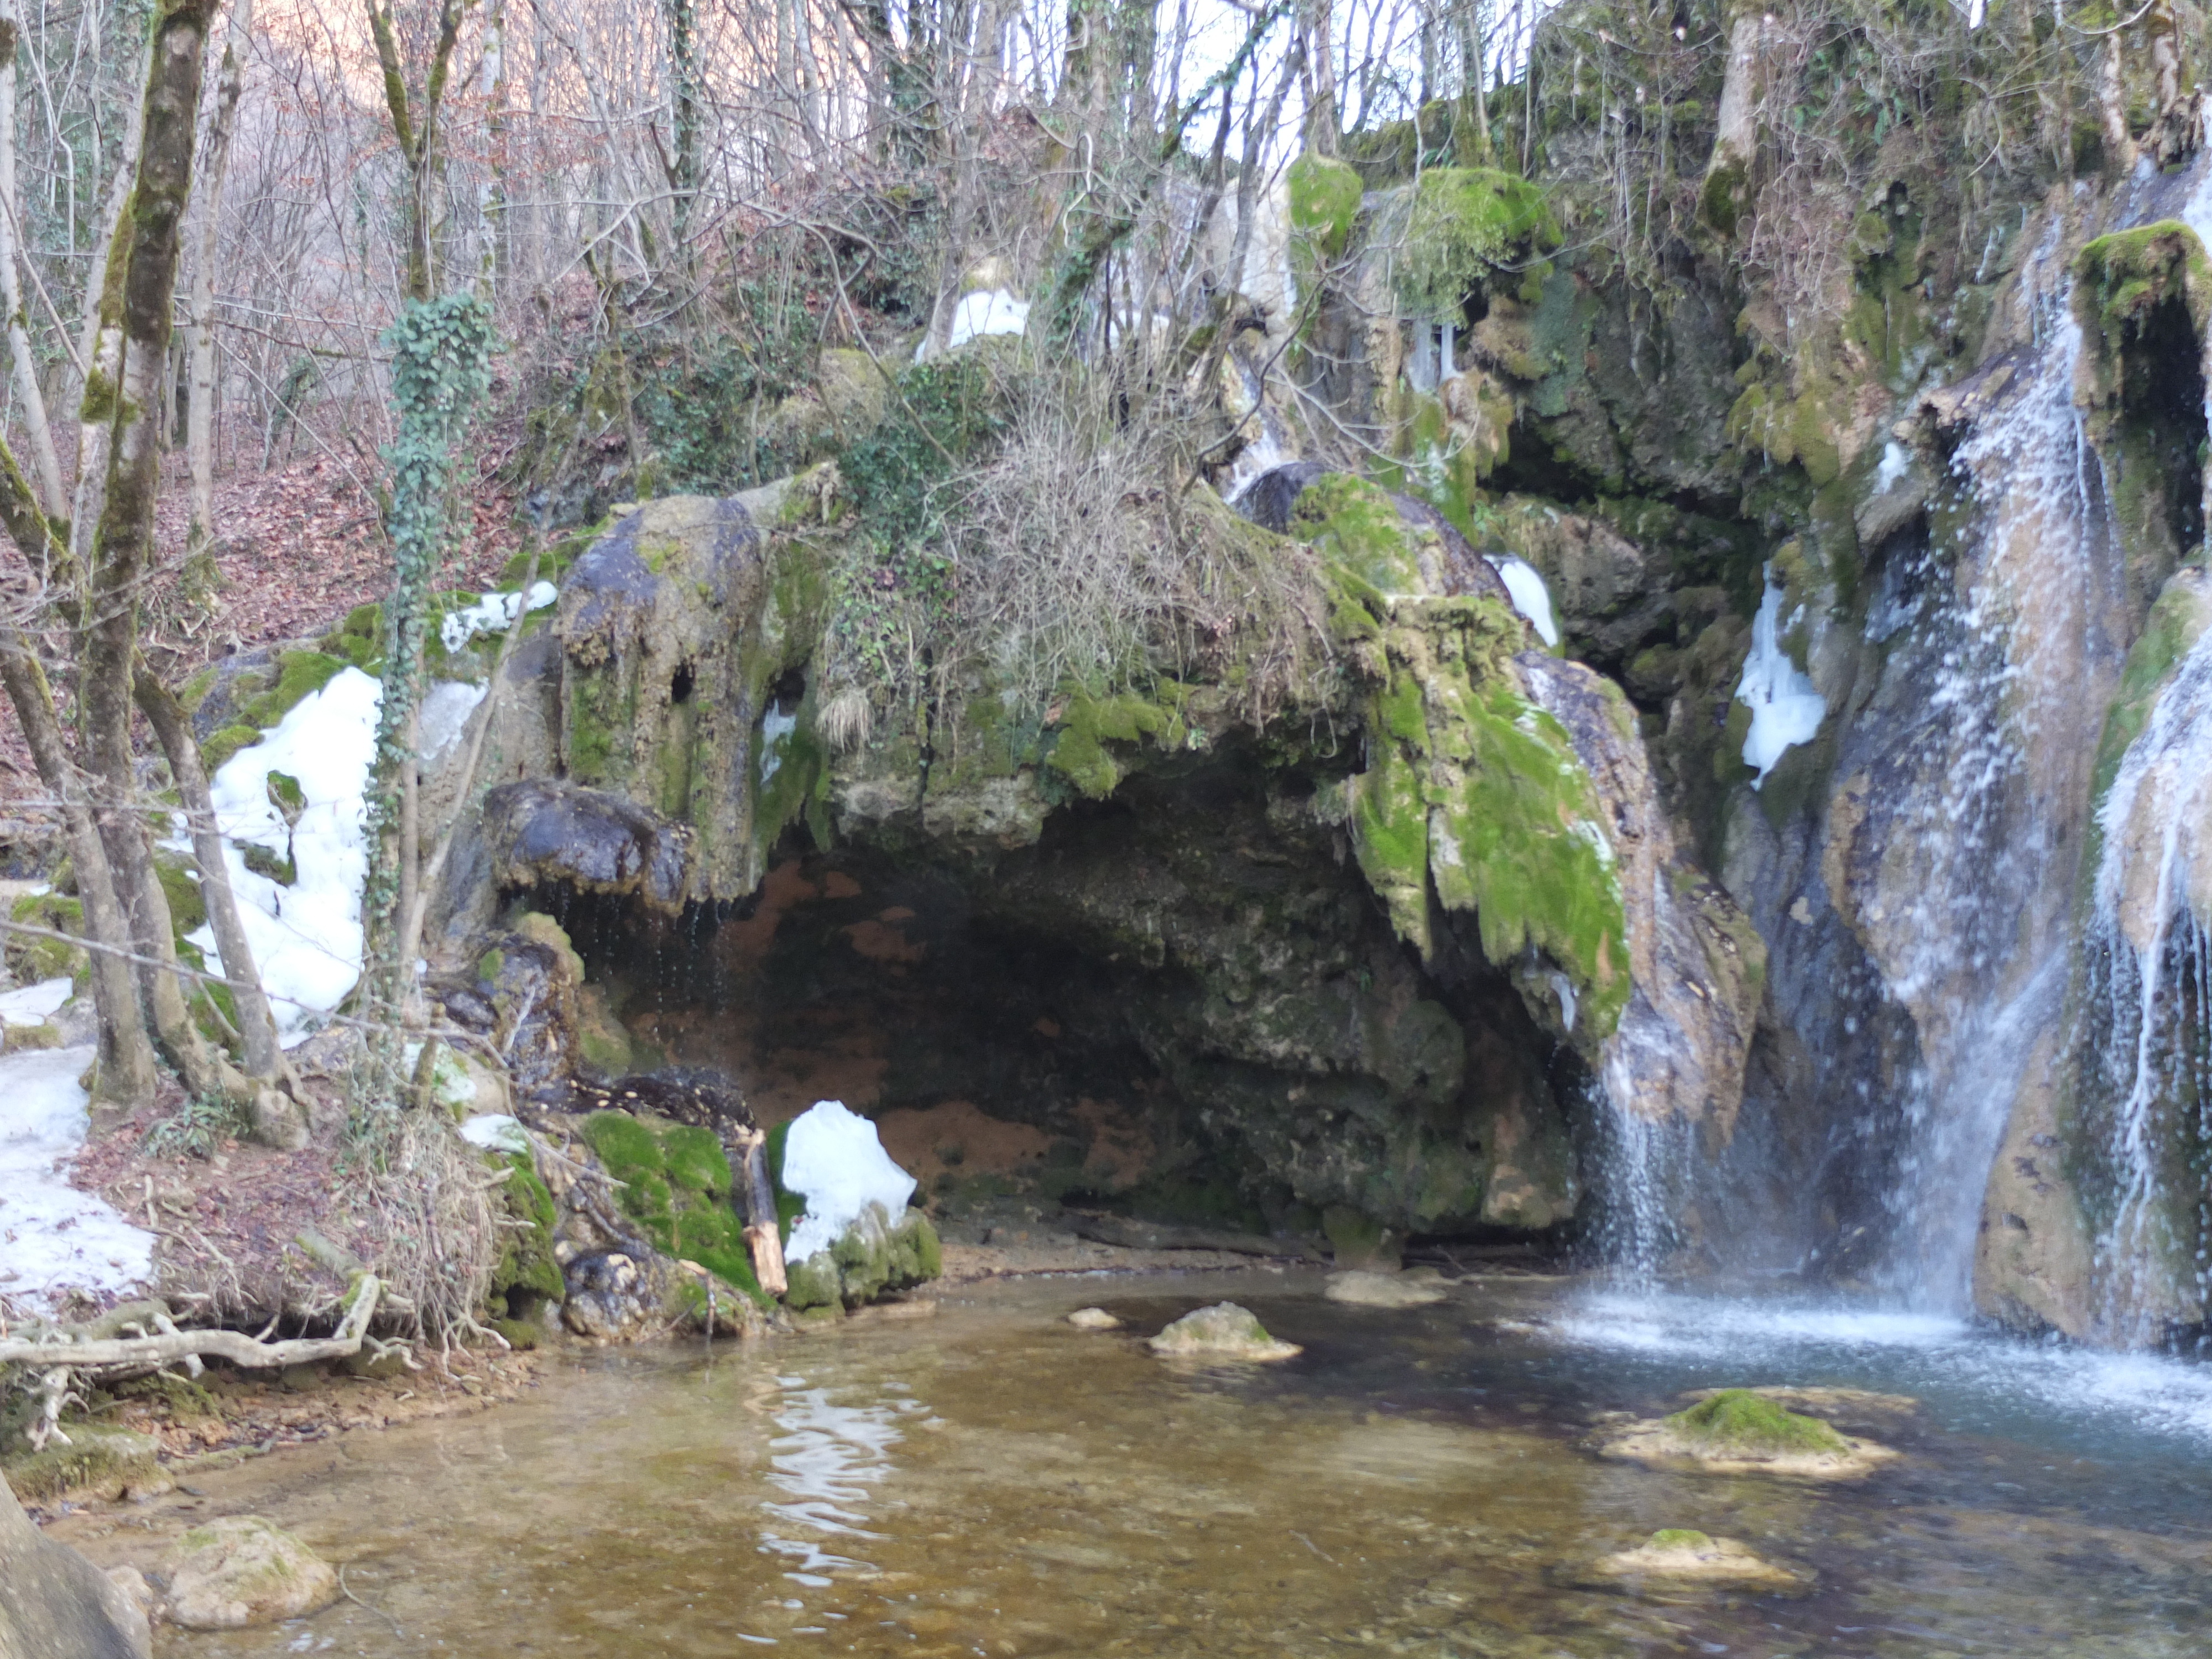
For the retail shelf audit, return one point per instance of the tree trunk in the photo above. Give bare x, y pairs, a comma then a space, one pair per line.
138, 298
207, 207
256, 1027
53, 495
2112, 107
1322, 117
1727, 193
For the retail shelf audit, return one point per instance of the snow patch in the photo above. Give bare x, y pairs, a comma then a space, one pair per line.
54, 1238
832, 1158
495, 1132
491, 612
1786, 710
35, 1003
306, 938
1525, 587
992, 312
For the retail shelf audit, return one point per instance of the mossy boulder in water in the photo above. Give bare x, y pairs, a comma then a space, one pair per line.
1684, 1557
241, 1570
874, 1257
1740, 1431
1224, 1331
1736, 1421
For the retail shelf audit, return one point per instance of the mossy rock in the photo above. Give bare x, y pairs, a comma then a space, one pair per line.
23, 1039
2123, 277
676, 1186
101, 1462
1738, 1420
1324, 201
873, 1258
32, 958
1470, 227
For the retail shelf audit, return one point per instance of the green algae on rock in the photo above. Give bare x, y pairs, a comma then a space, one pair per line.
1683, 1557
1739, 1431
243, 1570
1224, 1331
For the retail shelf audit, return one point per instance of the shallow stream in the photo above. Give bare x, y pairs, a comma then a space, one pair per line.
992, 1481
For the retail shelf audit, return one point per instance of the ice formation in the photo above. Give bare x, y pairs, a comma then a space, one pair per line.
1786, 709
54, 1238
1525, 587
445, 716
832, 1158
491, 611
307, 938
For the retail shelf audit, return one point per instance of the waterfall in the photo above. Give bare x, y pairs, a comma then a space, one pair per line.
1963, 903
2144, 1079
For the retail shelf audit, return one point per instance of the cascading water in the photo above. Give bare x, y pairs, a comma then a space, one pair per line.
1960, 908
2147, 1074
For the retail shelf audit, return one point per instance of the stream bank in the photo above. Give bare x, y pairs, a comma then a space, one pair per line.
994, 1478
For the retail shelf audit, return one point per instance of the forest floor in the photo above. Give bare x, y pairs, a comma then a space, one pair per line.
295, 549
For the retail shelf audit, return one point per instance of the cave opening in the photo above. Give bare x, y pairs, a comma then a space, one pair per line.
1182, 1005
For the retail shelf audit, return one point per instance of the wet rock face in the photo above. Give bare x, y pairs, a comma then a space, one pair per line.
543, 830
1328, 951
53, 1602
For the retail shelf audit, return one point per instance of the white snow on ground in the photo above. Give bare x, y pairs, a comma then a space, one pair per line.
54, 1238
306, 937
35, 1003
1525, 587
1785, 707
993, 312
832, 1158
490, 611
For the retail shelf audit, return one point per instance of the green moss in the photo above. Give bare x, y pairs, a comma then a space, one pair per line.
2123, 277
299, 675
1324, 201
677, 1187
1355, 527
225, 743
97, 1458
489, 965
359, 639
1680, 1538
1088, 724
625, 1146
696, 1160
1721, 201
1468, 226
527, 1267
180, 886
1736, 1419
32, 958
2176, 622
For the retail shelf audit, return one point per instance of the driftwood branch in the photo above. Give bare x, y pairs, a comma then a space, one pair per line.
171, 1345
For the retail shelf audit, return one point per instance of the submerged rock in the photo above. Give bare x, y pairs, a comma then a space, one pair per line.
1681, 1555
1093, 1319
1737, 1431
244, 1570
1224, 1331
53, 1602
1415, 1288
